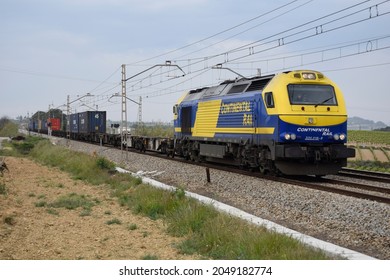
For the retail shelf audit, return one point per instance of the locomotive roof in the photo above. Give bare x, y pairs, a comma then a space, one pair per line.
230, 87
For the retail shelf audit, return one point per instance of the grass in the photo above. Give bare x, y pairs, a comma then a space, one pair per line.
19, 148
205, 230
8, 128
114, 221
214, 234
3, 189
52, 212
72, 201
132, 227
376, 166
149, 257
9, 220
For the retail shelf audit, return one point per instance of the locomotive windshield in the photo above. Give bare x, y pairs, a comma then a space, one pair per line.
304, 94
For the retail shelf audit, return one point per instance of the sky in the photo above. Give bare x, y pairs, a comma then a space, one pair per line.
50, 49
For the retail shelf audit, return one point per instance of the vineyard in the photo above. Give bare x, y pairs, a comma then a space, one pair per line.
369, 137
372, 150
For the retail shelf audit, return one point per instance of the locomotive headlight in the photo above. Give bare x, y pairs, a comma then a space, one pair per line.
293, 136
288, 136
342, 136
309, 76
336, 137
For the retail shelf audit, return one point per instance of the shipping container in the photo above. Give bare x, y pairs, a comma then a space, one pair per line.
92, 121
74, 123
55, 123
33, 125
42, 125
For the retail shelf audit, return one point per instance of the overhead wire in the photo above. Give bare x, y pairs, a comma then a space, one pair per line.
242, 32
372, 44
305, 37
212, 36
206, 58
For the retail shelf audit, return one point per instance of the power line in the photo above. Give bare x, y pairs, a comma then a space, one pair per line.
282, 41
42, 74
109, 77
242, 32
214, 35
357, 67
361, 47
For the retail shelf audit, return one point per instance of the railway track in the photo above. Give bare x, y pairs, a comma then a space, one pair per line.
366, 175
353, 189
363, 190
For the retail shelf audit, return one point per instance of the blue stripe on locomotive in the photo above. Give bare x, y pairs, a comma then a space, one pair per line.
312, 134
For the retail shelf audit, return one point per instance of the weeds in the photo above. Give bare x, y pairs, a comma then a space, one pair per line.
103, 163
40, 203
3, 189
72, 201
114, 221
52, 212
9, 220
132, 227
150, 257
370, 165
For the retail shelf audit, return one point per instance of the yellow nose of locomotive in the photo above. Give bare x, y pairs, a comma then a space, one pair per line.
307, 98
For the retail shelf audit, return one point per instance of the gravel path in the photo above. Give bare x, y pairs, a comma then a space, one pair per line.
353, 223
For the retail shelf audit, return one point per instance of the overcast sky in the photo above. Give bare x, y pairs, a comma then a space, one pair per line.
53, 48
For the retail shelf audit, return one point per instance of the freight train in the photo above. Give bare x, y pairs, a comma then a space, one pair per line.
292, 123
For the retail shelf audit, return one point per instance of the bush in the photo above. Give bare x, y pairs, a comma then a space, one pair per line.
104, 163
24, 147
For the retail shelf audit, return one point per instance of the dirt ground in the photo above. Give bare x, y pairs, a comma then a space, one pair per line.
28, 231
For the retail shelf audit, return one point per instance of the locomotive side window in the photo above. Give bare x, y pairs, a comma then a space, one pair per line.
186, 119
311, 95
237, 88
269, 100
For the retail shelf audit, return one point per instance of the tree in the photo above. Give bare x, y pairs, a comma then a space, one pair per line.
3, 122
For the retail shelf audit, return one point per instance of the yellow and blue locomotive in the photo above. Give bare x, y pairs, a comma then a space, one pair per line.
294, 123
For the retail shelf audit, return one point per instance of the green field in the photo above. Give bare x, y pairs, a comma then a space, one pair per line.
369, 137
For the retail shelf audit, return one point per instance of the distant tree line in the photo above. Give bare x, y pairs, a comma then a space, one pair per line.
8, 128
387, 128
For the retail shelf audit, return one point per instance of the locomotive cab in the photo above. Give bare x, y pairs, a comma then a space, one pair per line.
309, 114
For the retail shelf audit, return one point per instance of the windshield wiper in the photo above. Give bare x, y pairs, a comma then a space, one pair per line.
326, 100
